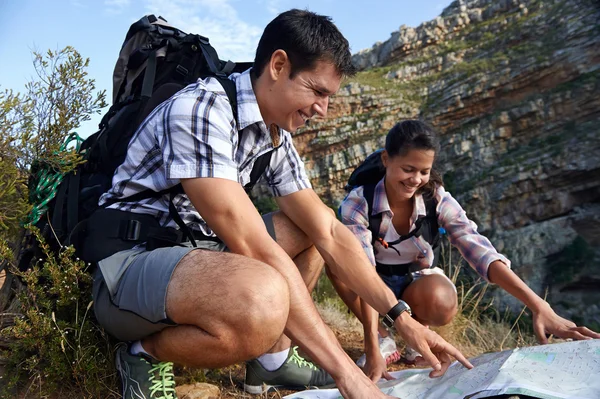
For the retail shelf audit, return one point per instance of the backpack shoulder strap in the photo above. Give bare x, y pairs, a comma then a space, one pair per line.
430, 226
263, 161
374, 220
230, 90
258, 169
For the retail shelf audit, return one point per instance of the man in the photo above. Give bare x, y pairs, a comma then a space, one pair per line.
235, 298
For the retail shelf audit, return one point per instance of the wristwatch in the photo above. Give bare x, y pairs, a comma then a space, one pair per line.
394, 313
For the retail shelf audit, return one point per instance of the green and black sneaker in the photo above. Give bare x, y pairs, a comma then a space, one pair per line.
143, 377
295, 373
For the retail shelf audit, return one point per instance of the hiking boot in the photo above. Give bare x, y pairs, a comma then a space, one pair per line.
295, 373
409, 355
388, 350
143, 377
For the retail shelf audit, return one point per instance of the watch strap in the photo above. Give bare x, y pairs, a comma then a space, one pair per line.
390, 317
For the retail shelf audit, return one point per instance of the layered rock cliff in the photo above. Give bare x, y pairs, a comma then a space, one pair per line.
512, 87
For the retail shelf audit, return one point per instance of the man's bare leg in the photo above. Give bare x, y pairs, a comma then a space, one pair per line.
348, 296
228, 308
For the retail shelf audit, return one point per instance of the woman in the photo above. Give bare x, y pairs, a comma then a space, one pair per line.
404, 260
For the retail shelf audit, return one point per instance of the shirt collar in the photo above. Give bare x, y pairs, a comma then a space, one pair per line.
381, 203
248, 111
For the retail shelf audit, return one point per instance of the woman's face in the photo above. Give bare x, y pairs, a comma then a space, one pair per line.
405, 174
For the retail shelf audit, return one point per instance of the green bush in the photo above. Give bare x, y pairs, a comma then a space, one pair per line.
55, 344
48, 339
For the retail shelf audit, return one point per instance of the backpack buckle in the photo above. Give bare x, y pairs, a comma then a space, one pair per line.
132, 230
182, 70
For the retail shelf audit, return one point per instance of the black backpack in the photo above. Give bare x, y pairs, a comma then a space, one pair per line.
155, 61
368, 174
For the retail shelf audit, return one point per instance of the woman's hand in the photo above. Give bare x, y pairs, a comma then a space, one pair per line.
376, 367
546, 321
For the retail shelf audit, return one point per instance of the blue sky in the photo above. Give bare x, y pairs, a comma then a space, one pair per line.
97, 28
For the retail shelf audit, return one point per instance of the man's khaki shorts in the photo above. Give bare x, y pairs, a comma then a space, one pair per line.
130, 287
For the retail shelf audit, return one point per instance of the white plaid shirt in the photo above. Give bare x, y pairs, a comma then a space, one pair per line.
194, 134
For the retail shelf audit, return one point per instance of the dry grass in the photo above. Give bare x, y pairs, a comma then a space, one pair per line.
472, 331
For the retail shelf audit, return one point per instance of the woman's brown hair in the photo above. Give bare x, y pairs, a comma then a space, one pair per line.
418, 135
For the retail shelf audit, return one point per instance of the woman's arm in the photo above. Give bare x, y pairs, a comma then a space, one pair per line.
495, 268
545, 320
375, 365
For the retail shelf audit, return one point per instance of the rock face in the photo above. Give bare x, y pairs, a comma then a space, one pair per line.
512, 87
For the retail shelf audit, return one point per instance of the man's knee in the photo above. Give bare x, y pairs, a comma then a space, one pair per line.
265, 309
241, 301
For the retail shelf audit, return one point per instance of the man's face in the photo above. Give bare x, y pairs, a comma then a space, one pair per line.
295, 100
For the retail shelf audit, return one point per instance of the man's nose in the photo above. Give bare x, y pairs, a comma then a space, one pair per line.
320, 106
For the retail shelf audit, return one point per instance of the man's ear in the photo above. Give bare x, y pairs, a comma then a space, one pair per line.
278, 64
384, 158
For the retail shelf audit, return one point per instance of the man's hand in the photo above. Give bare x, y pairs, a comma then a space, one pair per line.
359, 387
546, 321
434, 349
376, 367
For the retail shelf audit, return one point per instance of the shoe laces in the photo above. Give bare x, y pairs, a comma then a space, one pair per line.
299, 360
162, 380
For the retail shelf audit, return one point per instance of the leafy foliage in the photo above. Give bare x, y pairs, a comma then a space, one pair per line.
48, 339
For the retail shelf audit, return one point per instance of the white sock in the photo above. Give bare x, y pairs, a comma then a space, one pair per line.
272, 361
136, 348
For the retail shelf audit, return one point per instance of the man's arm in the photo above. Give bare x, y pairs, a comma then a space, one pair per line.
347, 261
231, 215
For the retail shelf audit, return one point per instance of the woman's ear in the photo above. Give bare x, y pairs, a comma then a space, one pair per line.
384, 158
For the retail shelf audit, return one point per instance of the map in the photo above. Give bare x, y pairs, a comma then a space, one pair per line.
565, 370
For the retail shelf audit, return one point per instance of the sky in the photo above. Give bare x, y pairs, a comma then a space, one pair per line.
96, 28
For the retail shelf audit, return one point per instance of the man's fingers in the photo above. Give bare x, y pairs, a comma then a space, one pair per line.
388, 376
455, 353
445, 362
429, 357
420, 362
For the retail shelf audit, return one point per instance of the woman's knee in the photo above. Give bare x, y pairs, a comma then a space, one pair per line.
432, 299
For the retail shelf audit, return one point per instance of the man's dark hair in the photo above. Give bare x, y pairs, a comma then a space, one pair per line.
307, 38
